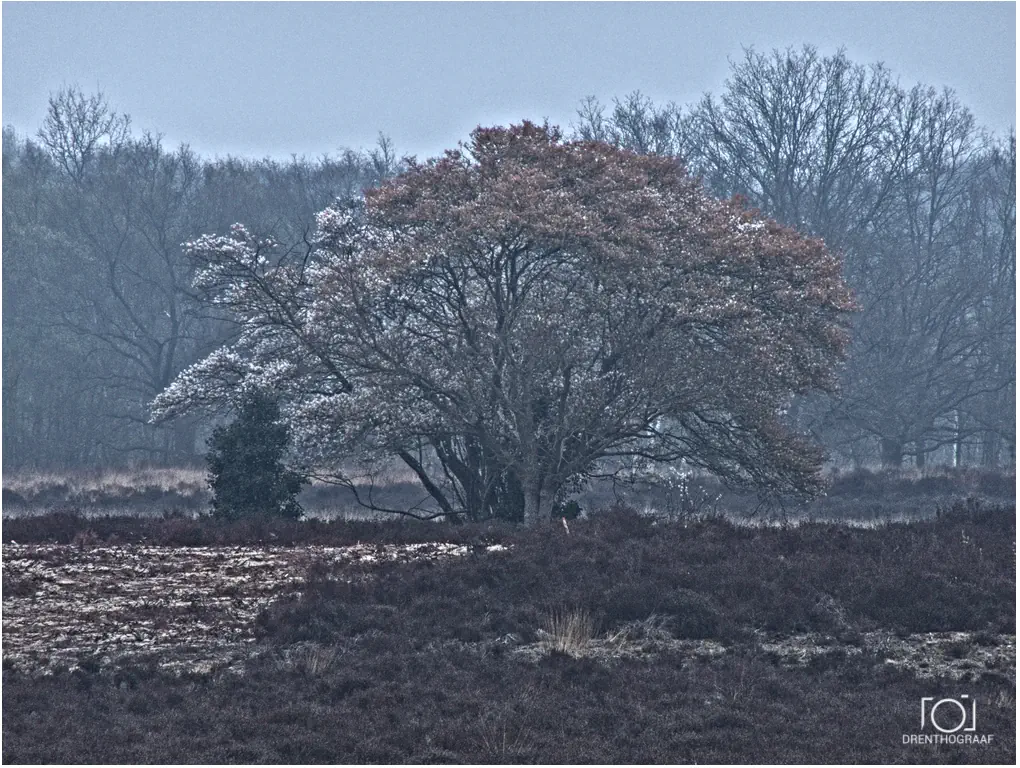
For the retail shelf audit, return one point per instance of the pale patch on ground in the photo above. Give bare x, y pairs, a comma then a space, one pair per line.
932, 654
182, 607
194, 609
955, 654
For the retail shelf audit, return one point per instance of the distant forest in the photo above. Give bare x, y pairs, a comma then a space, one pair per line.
99, 313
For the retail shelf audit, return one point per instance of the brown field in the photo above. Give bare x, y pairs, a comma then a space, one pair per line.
623, 638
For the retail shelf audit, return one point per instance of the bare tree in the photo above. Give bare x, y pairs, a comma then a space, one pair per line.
99, 310
891, 179
77, 127
635, 123
923, 359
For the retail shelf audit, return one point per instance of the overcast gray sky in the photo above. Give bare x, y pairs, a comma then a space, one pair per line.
307, 78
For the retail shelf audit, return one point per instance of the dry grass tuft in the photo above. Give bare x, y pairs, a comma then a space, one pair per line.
568, 631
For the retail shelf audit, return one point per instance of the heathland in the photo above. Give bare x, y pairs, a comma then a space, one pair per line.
698, 635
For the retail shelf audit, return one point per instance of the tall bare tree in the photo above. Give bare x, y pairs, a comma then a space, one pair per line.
913, 196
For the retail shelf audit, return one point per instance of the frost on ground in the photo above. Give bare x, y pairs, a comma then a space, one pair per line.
181, 607
194, 609
931, 654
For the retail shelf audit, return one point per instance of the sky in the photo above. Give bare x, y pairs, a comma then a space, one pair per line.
282, 78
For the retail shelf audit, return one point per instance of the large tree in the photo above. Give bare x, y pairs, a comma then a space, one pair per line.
919, 202
507, 316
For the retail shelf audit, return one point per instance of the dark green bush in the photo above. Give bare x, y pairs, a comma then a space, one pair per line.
246, 471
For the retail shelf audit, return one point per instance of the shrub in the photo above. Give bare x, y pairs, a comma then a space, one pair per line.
247, 475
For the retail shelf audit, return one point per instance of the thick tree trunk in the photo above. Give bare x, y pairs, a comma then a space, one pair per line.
892, 453
538, 506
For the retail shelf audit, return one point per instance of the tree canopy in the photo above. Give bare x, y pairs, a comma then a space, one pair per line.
510, 316
919, 200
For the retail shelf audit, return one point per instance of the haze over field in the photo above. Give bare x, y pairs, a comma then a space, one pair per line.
683, 432
883, 130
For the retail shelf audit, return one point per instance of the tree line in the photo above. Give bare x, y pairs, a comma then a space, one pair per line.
921, 203
99, 311
102, 310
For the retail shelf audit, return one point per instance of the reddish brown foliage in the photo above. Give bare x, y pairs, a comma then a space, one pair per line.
525, 307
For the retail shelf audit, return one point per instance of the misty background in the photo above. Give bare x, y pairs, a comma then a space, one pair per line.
264, 114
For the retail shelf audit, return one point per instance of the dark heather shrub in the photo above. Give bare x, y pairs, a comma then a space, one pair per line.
246, 471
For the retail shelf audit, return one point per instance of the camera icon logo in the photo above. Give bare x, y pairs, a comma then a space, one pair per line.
949, 715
